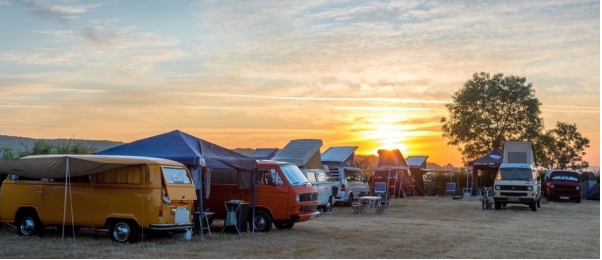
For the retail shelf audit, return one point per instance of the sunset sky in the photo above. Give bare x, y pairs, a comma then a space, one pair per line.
256, 74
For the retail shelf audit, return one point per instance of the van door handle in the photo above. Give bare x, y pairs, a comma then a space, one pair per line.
39, 192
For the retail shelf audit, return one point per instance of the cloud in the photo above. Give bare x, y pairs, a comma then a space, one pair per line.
4, 2
66, 12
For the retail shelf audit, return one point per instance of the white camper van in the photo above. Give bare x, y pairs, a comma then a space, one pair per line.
349, 180
305, 153
516, 180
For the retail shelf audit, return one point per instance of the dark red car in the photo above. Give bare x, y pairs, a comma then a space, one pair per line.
563, 185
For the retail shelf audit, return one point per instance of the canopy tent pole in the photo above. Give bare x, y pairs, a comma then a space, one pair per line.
200, 198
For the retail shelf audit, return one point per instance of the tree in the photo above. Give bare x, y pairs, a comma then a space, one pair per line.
490, 110
562, 147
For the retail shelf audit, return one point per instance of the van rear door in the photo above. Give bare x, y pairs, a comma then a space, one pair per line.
178, 184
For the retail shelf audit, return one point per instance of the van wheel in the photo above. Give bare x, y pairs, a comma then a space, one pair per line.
539, 202
263, 221
533, 206
28, 224
284, 224
578, 200
328, 207
548, 197
350, 199
124, 231
498, 205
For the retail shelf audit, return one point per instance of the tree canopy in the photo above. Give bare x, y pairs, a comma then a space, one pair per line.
489, 110
562, 147
42, 147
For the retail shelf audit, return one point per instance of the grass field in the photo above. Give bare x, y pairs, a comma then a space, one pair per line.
416, 227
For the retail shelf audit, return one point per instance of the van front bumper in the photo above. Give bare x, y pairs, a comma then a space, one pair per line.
171, 226
306, 217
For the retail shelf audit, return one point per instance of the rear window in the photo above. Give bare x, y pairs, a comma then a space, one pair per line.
565, 176
176, 175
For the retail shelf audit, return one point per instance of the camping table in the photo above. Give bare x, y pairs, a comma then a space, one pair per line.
233, 216
371, 201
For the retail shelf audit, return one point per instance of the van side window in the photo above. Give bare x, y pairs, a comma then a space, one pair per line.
23, 178
263, 177
76, 179
126, 175
276, 177
311, 176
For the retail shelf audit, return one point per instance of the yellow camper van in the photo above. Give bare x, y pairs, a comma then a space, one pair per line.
124, 194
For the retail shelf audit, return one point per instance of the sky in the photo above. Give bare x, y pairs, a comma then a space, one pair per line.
257, 74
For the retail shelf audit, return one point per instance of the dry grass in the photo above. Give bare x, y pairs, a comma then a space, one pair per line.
421, 227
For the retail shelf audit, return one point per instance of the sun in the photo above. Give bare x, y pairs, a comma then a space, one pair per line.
388, 136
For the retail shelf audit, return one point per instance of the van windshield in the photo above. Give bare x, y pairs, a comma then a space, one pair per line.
294, 176
514, 174
176, 175
565, 176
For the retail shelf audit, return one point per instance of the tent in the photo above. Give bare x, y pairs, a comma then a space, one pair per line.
589, 186
201, 156
490, 161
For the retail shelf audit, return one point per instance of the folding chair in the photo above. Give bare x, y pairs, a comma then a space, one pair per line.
358, 208
384, 203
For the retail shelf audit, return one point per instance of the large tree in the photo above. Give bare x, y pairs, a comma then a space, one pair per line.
562, 147
490, 110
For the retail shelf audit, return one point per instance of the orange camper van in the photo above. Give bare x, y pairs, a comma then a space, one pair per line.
283, 196
124, 194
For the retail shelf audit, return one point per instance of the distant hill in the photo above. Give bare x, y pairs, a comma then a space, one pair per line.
18, 143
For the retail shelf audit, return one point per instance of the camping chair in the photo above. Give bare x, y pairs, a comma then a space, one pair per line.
384, 203
358, 208
380, 187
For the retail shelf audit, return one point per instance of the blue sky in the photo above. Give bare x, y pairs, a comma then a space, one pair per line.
259, 73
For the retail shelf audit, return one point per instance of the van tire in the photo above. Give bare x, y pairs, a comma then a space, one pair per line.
328, 207
122, 231
28, 223
284, 224
539, 202
533, 206
578, 200
350, 199
263, 221
498, 205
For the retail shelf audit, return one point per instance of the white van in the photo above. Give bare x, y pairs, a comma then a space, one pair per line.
348, 180
516, 180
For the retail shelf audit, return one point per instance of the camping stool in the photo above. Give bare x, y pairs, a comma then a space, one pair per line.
206, 216
358, 208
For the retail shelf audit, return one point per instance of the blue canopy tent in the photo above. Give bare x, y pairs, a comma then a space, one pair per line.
490, 161
195, 153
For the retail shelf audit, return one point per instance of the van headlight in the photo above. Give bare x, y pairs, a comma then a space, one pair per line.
297, 198
530, 188
552, 186
497, 187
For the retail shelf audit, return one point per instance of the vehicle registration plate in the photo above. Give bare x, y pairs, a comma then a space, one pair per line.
312, 216
563, 197
513, 199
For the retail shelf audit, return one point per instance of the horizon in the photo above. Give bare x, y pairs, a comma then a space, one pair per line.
259, 74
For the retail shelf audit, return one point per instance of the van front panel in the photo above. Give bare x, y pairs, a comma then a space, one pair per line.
18, 192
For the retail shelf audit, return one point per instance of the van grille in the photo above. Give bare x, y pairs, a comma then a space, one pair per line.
513, 187
309, 208
308, 197
513, 194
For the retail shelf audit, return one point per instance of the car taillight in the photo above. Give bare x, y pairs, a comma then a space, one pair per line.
342, 187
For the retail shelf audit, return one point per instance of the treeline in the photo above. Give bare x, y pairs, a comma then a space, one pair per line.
70, 146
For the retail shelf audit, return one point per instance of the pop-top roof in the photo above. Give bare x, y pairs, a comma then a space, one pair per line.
301, 152
418, 161
339, 156
264, 153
